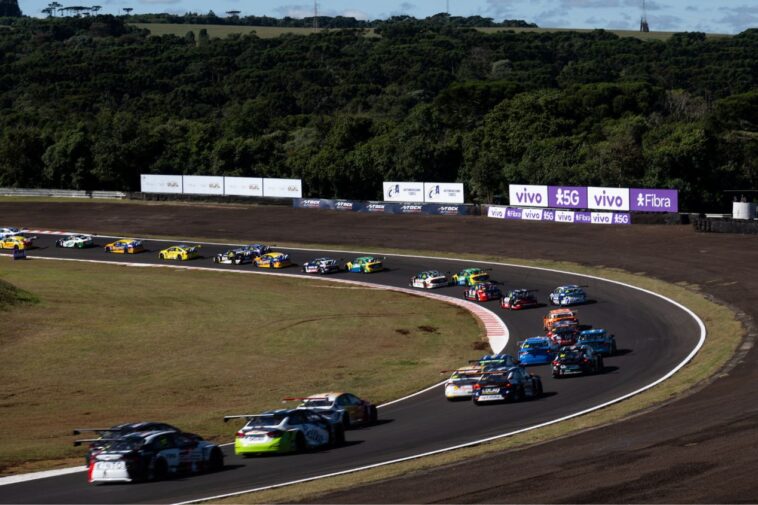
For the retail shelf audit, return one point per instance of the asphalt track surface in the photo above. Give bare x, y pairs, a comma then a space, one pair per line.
653, 337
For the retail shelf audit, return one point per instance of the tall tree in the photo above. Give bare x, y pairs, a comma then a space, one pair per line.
9, 9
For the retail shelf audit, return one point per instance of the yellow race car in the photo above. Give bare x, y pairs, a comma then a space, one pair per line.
16, 242
125, 246
273, 260
180, 252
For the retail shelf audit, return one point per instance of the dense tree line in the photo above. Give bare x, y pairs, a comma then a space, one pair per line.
91, 103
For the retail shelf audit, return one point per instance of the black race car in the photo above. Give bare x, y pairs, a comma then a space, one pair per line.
577, 360
511, 384
118, 431
234, 257
519, 299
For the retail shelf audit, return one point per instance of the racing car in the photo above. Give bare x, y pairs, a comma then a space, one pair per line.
461, 382
273, 260
600, 341
429, 280
10, 231
180, 252
564, 332
321, 266
513, 384
76, 241
518, 299
118, 431
344, 408
16, 242
490, 362
284, 430
536, 351
577, 360
125, 246
570, 294
470, 276
559, 315
255, 249
483, 292
365, 264
234, 257
156, 455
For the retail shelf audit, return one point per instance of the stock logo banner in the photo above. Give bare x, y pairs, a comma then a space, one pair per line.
595, 198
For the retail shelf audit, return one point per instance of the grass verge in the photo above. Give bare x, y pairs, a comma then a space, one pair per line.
109, 344
724, 335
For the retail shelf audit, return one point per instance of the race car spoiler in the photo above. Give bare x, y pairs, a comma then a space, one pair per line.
462, 372
77, 443
240, 416
79, 431
324, 398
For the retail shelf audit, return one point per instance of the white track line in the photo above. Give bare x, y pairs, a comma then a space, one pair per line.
701, 341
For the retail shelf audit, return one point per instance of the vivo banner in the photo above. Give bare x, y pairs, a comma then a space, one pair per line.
243, 186
161, 183
531, 196
283, 188
403, 192
203, 185
559, 216
567, 197
443, 192
608, 198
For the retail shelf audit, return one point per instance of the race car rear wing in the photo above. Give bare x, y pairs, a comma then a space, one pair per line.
77, 443
324, 398
79, 431
239, 416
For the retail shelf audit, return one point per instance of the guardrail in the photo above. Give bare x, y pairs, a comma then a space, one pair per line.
61, 193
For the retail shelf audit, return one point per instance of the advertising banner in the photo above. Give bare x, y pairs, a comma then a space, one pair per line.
309, 203
608, 198
445, 210
403, 192
496, 212
567, 197
243, 186
654, 200
283, 188
203, 185
531, 196
381, 207
160, 183
443, 192
559, 216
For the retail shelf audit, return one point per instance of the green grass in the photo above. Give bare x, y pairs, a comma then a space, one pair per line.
108, 344
725, 333
10, 296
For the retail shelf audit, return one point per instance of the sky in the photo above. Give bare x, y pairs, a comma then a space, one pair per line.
712, 16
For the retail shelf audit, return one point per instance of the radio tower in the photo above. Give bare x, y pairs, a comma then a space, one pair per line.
315, 14
644, 27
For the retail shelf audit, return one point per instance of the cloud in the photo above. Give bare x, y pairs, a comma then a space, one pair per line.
665, 23
499, 8
740, 18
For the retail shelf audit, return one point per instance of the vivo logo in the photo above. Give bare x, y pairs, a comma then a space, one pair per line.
533, 196
527, 197
496, 212
604, 200
532, 214
563, 216
601, 217
608, 198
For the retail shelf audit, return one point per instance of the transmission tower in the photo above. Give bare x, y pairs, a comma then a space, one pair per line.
315, 14
644, 27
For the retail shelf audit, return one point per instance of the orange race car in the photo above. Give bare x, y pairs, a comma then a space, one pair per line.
559, 315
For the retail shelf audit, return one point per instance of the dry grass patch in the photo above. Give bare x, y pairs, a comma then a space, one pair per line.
109, 344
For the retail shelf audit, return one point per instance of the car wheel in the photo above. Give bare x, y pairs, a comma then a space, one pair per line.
160, 471
373, 414
346, 421
300, 442
476, 402
160, 256
538, 390
58, 244
216, 460
518, 395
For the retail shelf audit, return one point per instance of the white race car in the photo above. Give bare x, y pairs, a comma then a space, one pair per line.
461, 382
10, 231
234, 257
570, 294
78, 241
429, 280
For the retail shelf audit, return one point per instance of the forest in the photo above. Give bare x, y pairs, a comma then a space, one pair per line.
90, 103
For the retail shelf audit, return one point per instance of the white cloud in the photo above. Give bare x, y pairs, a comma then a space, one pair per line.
740, 18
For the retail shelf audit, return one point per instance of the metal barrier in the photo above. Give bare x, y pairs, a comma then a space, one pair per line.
60, 193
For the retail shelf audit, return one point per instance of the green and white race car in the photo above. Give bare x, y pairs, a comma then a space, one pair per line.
285, 430
77, 241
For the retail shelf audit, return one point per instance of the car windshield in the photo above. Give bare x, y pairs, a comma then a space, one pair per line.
126, 444
534, 345
265, 420
571, 355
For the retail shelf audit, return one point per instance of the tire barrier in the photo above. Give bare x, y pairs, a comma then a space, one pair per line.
711, 225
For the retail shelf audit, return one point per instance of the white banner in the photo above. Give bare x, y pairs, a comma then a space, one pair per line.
203, 185
404, 192
608, 198
443, 192
528, 196
283, 188
160, 183
496, 212
243, 186
564, 216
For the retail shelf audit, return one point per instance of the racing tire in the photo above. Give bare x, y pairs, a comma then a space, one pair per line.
477, 403
58, 243
216, 460
538, 391
346, 421
300, 442
518, 395
600, 365
160, 471
160, 256
107, 249
373, 415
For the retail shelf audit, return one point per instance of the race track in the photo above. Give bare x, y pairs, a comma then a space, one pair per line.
653, 335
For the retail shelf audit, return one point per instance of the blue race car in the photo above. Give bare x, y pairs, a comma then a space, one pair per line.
600, 341
570, 294
537, 351
490, 362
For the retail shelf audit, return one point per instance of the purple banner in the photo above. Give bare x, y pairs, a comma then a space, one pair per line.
567, 197
654, 200
583, 217
513, 213
559, 216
